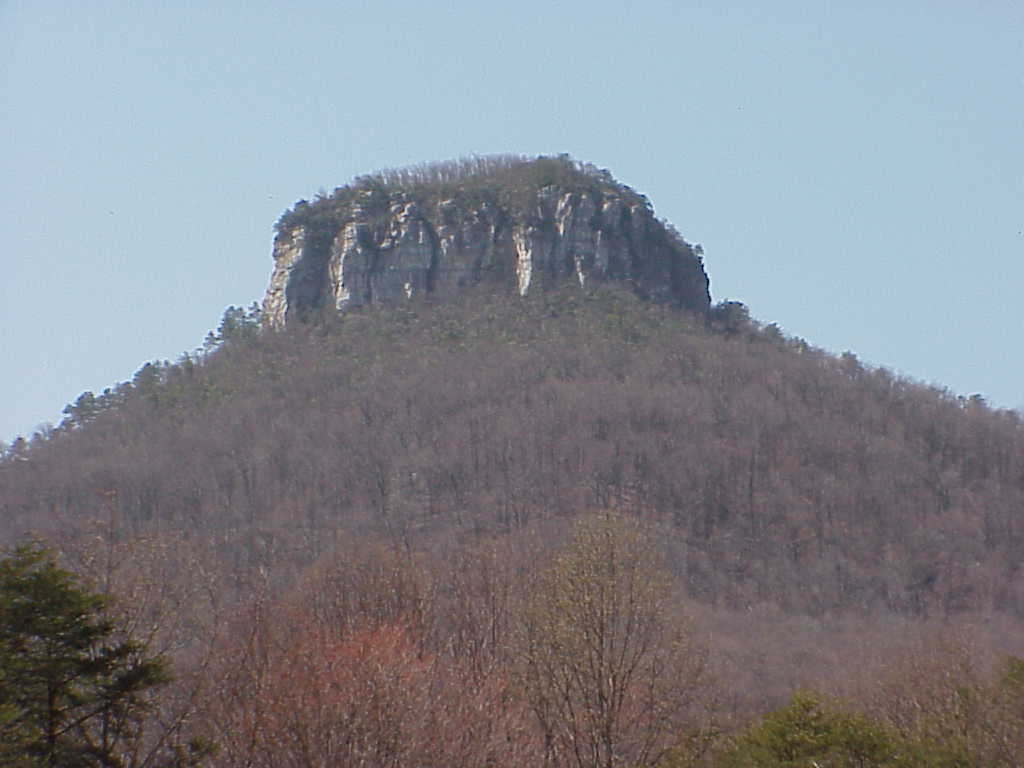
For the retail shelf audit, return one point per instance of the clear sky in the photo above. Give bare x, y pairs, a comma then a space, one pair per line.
854, 170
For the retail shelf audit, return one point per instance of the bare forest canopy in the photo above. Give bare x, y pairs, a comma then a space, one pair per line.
791, 477
391, 536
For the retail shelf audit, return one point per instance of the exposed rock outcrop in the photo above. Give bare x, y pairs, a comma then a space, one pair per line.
372, 244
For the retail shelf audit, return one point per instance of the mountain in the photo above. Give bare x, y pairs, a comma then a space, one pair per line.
374, 491
516, 224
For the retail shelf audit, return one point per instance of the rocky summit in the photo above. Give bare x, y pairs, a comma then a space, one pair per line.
518, 224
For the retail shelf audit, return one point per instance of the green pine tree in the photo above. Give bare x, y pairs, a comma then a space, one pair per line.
72, 693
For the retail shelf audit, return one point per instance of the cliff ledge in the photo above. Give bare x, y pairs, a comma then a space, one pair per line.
520, 224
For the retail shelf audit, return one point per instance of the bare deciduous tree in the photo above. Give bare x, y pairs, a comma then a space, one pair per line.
610, 670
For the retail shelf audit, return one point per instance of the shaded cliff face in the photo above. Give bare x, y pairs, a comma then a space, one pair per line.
385, 245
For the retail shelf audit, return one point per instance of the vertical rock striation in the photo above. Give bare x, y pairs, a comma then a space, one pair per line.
372, 244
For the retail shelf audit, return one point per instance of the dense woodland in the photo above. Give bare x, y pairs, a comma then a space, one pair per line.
396, 537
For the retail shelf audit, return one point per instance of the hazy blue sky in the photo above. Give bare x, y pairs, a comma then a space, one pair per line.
854, 170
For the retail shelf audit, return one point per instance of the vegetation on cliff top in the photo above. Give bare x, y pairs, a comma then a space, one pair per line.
511, 182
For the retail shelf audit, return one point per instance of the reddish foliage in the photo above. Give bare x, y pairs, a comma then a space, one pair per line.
372, 698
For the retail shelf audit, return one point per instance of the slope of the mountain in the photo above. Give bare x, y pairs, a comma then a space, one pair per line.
519, 225
371, 531
790, 477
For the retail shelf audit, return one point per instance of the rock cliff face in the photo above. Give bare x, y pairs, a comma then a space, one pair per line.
373, 244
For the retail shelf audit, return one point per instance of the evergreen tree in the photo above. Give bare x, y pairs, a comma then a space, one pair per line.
72, 694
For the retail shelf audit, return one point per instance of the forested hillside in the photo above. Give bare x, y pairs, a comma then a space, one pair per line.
789, 476
381, 491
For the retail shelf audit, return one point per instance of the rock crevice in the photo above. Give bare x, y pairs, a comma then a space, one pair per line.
388, 247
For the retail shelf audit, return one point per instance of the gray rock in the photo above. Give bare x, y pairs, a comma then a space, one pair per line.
389, 251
